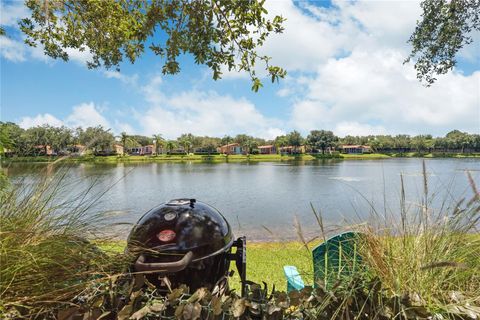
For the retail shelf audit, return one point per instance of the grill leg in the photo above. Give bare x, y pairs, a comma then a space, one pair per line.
240, 257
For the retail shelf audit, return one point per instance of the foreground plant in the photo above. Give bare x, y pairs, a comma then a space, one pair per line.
430, 256
46, 253
358, 298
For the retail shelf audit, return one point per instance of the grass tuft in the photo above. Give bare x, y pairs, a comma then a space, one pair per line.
428, 253
46, 253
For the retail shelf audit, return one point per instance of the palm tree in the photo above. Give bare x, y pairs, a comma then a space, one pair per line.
159, 142
170, 145
186, 143
280, 141
126, 141
249, 145
123, 140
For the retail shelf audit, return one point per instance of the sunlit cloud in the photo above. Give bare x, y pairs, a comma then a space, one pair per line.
202, 113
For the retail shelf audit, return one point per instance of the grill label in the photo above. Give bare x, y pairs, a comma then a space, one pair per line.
166, 235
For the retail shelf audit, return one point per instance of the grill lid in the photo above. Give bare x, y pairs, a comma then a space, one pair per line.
179, 226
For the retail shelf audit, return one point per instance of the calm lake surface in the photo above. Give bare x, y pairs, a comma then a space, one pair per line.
261, 200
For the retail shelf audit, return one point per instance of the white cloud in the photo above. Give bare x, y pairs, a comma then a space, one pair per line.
354, 128
306, 41
86, 115
388, 24
11, 49
202, 113
129, 80
79, 56
153, 92
315, 34
82, 115
231, 74
350, 75
40, 120
11, 13
123, 127
367, 88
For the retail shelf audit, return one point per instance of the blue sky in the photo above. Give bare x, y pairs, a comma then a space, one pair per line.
345, 73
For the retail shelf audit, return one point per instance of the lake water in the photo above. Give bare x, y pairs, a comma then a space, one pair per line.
261, 200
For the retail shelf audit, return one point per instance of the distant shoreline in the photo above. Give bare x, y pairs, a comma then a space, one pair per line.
234, 158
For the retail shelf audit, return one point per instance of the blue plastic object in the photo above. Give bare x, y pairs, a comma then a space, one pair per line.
294, 280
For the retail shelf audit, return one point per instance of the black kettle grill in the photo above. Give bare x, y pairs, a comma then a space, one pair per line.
188, 242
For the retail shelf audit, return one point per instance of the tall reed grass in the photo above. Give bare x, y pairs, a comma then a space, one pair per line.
431, 255
425, 257
48, 251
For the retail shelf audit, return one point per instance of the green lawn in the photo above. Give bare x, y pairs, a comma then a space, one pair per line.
166, 158
265, 262
237, 158
365, 156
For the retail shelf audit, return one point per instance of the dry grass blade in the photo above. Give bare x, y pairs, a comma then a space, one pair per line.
298, 229
476, 193
319, 218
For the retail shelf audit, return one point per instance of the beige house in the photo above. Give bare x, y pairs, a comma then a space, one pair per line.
118, 149
78, 149
268, 149
292, 150
142, 150
46, 150
231, 148
355, 149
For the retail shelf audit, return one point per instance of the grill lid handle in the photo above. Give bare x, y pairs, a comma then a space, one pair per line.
163, 267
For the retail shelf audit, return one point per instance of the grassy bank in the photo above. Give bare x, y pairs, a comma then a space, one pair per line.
236, 158
265, 261
163, 158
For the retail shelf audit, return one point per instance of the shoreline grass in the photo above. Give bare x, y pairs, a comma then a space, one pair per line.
233, 158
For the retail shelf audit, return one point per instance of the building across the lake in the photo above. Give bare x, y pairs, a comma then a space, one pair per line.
77, 149
45, 150
268, 149
231, 148
141, 150
292, 150
356, 149
118, 148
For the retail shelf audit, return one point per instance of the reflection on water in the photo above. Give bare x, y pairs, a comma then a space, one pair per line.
347, 179
259, 194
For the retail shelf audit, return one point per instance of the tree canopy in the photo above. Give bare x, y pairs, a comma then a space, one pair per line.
15, 140
223, 35
218, 34
445, 27
321, 139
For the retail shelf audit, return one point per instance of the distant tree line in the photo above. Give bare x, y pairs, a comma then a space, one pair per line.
15, 140
454, 141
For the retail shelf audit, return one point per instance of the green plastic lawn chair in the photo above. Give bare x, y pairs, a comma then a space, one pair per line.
335, 258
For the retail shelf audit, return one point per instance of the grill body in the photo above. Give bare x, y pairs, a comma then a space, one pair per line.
185, 240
